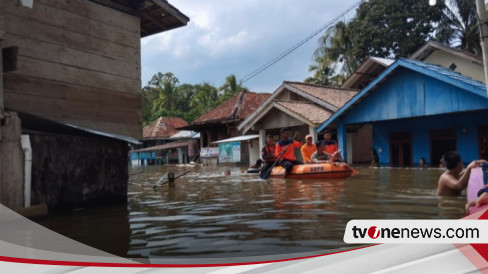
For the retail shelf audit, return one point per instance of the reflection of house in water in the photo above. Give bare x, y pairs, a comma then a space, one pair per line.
163, 142
71, 83
418, 110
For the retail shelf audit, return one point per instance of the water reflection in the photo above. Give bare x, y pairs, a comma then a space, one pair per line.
209, 214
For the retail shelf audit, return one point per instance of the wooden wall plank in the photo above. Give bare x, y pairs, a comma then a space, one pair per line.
49, 34
74, 22
74, 75
71, 111
96, 12
53, 89
73, 57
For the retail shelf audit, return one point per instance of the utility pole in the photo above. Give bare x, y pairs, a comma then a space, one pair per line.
481, 10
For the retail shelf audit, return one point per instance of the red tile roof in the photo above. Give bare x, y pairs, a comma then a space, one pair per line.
337, 97
310, 111
164, 127
239, 107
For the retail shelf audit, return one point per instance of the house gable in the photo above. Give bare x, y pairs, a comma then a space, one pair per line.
409, 94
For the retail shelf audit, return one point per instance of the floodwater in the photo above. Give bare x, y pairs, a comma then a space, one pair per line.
210, 215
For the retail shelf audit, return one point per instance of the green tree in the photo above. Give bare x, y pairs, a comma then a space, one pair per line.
205, 98
166, 84
382, 28
459, 26
230, 88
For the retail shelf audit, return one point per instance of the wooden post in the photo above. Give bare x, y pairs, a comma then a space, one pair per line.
171, 179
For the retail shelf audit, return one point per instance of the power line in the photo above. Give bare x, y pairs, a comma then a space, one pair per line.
299, 44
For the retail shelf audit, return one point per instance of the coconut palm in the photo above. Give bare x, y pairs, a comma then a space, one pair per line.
459, 26
334, 54
166, 85
230, 88
205, 98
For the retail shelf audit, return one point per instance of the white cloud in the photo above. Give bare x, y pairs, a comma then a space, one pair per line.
236, 37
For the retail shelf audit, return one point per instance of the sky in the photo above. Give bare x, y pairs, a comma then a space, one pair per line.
226, 37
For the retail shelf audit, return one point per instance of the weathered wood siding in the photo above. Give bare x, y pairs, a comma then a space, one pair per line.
78, 63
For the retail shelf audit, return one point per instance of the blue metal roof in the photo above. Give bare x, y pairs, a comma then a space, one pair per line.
447, 72
431, 70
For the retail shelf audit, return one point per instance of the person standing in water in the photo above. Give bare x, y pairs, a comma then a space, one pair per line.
455, 178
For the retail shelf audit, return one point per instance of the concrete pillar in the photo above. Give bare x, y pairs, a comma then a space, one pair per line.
342, 139
180, 155
262, 138
11, 162
349, 148
313, 131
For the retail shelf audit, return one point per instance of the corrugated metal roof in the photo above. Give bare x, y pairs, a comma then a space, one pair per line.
447, 72
185, 134
383, 61
434, 71
237, 139
164, 147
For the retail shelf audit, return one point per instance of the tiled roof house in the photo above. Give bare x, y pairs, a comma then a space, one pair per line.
221, 122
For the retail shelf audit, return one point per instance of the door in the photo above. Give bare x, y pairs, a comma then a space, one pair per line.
401, 149
483, 142
441, 141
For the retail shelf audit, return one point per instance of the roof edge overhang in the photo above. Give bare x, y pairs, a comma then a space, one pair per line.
385, 74
245, 125
430, 46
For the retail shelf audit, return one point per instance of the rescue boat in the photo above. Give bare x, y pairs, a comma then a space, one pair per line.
316, 171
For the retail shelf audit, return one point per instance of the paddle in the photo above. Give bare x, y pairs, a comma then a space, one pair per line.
265, 175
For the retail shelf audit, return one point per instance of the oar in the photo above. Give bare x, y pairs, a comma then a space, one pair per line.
265, 175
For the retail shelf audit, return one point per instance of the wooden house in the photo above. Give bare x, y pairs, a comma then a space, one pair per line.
417, 109
163, 142
301, 107
76, 66
221, 122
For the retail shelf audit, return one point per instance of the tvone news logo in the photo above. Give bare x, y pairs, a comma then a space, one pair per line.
373, 232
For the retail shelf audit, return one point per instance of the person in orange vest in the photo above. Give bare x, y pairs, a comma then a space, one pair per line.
288, 158
308, 149
268, 154
331, 146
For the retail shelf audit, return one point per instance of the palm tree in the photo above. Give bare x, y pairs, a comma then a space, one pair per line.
166, 85
334, 52
230, 88
205, 98
459, 26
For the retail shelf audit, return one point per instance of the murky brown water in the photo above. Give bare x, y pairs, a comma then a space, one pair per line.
208, 214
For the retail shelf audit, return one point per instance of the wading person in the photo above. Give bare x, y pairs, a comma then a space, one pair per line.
331, 146
268, 154
308, 149
375, 162
288, 145
422, 162
455, 179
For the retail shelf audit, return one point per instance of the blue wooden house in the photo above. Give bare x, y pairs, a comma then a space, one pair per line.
418, 110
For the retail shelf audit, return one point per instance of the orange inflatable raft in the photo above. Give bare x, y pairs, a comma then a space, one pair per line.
316, 171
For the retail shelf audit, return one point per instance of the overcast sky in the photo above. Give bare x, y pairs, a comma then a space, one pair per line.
227, 37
